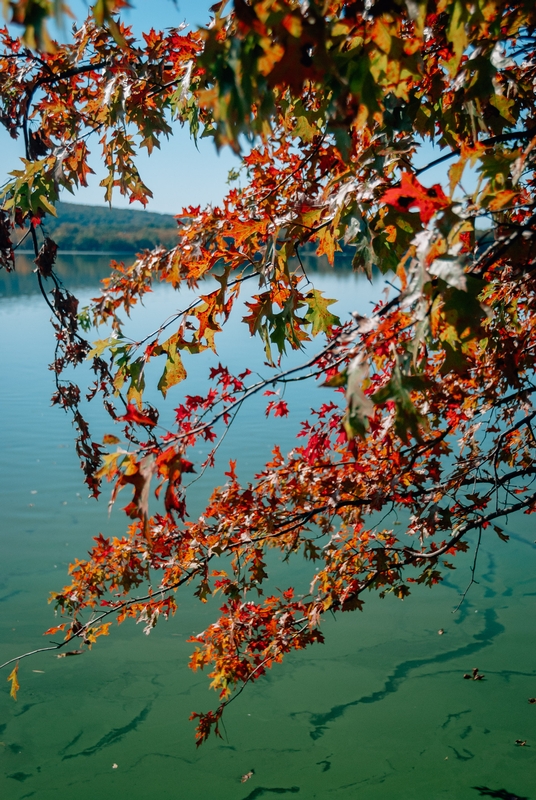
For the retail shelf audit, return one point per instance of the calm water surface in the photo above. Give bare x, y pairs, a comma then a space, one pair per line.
380, 711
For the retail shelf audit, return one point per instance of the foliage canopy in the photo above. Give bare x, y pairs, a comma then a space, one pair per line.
427, 406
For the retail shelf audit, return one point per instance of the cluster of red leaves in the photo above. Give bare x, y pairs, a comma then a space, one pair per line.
412, 194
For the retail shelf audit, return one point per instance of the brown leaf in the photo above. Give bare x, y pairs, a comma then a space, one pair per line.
70, 653
46, 257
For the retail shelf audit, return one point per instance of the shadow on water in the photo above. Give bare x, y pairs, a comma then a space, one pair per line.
20, 776
500, 794
260, 791
7, 597
112, 737
492, 629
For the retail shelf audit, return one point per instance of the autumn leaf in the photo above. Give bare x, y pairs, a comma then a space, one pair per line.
279, 407
318, 314
55, 629
12, 678
133, 415
69, 653
174, 371
305, 130
109, 438
101, 345
410, 194
139, 476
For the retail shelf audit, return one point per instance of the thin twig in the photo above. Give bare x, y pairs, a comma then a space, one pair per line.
473, 568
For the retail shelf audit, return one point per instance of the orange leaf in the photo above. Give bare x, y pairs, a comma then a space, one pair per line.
54, 630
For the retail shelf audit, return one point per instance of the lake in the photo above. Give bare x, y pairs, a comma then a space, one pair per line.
379, 711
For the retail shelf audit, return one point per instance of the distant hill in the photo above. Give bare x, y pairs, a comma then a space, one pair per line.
99, 229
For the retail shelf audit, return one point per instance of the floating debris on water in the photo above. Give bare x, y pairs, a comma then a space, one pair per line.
474, 676
70, 653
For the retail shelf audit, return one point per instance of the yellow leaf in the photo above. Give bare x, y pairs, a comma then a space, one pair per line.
100, 346
272, 54
305, 130
12, 677
457, 35
109, 467
455, 173
174, 371
381, 36
104, 629
503, 106
49, 207
134, 395
502, 199
328, 245
293, 25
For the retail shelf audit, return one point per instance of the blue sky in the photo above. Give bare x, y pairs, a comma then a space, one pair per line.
178, 174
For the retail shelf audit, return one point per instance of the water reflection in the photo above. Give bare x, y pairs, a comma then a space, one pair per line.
86, 270
76, 271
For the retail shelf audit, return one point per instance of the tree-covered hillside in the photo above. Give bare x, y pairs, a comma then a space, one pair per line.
103, 229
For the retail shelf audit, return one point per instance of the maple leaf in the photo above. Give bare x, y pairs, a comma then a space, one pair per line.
133, 415
279, 407
410, 194
174, 371
318, 314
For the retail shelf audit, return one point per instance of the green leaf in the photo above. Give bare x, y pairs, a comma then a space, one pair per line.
137, 381
318, 314
305, 130
408, 417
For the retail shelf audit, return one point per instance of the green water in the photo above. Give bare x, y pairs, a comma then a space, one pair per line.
380, 711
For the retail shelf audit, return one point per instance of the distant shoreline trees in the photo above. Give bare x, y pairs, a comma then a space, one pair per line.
80, 228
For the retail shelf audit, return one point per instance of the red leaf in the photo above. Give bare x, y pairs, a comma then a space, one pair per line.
133, 415
232, 470
411, 194
280, 408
